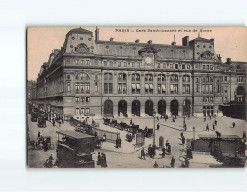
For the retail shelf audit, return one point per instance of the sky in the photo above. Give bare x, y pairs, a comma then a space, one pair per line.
229, 42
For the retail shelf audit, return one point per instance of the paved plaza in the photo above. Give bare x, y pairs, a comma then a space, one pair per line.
128, 156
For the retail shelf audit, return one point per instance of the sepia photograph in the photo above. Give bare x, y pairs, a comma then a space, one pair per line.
136, 97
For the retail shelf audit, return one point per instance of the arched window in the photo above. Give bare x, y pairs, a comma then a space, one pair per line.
108, 83
135, 78
161, 83
148, 83
82, 84
122, 83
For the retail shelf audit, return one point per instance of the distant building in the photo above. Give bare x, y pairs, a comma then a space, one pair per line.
31, 90
105, 78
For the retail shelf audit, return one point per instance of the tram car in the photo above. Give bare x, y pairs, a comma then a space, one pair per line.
74, 150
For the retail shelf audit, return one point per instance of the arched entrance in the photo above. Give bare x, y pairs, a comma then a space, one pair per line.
122, 107
162, 107
136, 107
108, 108
174, 107
186, 108
149, 107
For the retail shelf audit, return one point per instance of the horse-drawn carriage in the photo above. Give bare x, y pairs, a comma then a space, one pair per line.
123, 126
41, 121
147, 132
113, 123
106, 121
42, 143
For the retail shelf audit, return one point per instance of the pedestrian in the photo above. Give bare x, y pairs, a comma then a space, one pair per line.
103, 160
215, 122
213, 127
172, 162
131, 121
59, 122
189, 154
157, 118
45, 145
143, 154
186, 163
53, 122
163, 152
168, 147
204, 118
244, 136
233, 124
62, 119
207, 127
38, 134
183, 140
50, 161
173, 119
188, 116
95, 134
119, 142
158, 126
185, 127
156, 165
99, 159
210, 117
104, 137
166, 117
218, 134
181, 134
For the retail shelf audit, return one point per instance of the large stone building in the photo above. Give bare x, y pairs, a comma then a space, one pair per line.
105, 78
31, 90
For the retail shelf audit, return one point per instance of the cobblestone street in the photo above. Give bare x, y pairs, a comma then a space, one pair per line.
129, 156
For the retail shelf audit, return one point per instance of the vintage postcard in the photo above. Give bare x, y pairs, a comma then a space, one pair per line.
136, 97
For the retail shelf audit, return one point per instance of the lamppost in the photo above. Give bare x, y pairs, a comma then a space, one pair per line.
154, 114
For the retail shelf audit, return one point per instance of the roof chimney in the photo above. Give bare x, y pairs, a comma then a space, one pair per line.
150, 42
185, 41
228, 60
97, 34
137, 41
111, 39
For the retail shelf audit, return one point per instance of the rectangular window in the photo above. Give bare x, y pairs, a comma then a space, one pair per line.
96, 86
111, 63
133, 64
174, 89
87, 111
197, 88
83, 99
110, 88
68, 87
105, 63
77, 111
87, 99
125, 64
225, 78
82, 110
119, 64
77, 99
186, 89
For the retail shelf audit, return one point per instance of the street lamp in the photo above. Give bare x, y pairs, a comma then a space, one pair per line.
154, 114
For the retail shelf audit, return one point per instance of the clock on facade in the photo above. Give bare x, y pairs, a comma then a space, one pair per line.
148, 60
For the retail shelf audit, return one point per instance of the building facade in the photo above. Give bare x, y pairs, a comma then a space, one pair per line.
31, 91
88, 76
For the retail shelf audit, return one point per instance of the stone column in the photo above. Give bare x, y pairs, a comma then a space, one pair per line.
142, 83
180, 84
